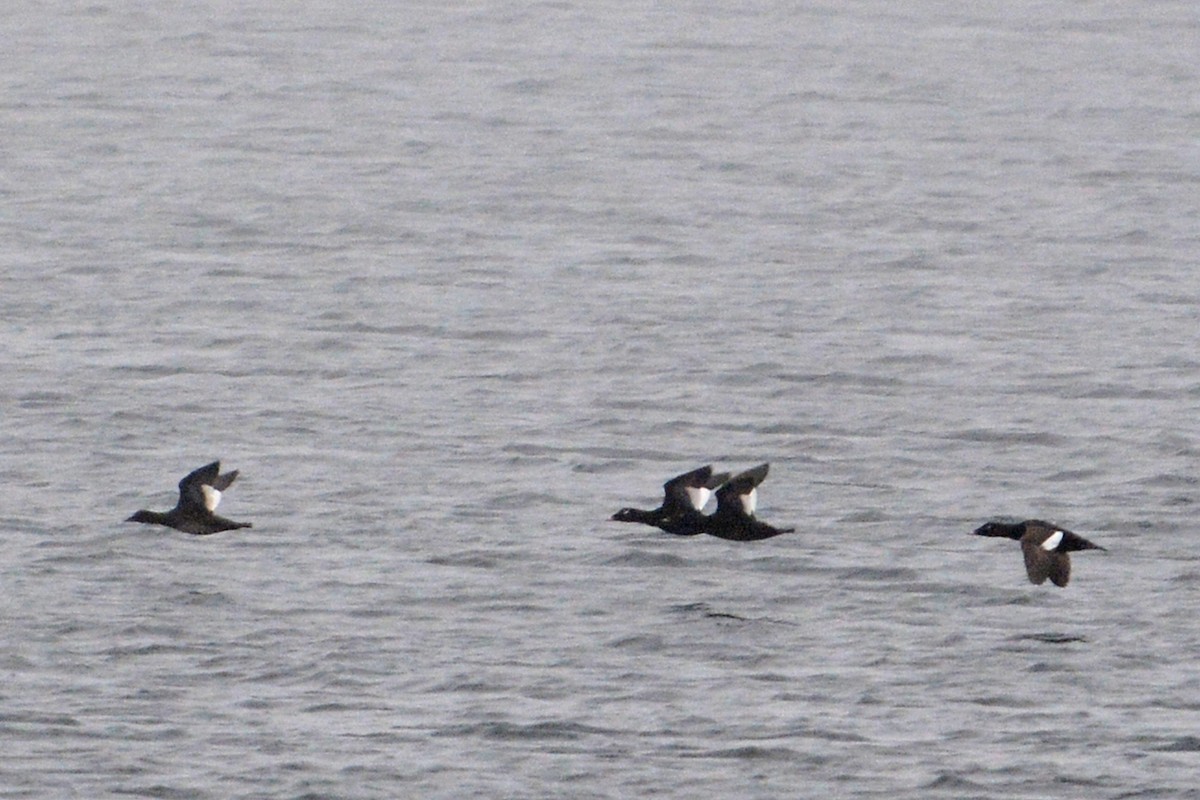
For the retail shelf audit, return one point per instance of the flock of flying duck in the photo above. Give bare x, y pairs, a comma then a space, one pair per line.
1045, 546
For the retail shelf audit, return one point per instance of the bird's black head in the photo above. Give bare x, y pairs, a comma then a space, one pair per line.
625, 515
143, 516
1006, 530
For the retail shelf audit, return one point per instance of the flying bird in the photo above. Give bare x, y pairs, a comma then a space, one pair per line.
199, 493
684, 497
736, 500
1045, 546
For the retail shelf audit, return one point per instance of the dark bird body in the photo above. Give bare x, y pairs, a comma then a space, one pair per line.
736, 500
683, 498
199, 494
1044, 545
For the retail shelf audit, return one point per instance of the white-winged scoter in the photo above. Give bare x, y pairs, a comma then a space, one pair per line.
199, 494
736, 500
683, 498
1044, 545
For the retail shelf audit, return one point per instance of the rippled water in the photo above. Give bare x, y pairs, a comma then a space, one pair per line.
449, 284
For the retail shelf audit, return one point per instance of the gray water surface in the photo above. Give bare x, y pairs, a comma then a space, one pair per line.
451, 283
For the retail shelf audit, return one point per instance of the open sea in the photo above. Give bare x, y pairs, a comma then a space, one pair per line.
450, 283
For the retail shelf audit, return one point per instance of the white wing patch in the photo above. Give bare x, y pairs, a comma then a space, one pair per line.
1052, 541
212, 497
749, 502
698, 496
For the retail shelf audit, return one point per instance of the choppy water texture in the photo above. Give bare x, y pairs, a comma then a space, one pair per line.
450, 283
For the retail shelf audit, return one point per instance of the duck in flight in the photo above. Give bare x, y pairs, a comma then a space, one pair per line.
684, 497
736, 500
1046, 547
199, 494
